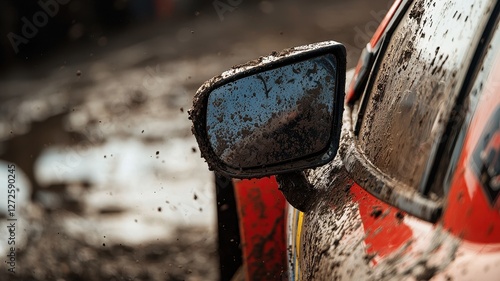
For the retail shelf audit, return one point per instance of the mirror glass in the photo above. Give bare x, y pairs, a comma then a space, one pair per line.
274, 116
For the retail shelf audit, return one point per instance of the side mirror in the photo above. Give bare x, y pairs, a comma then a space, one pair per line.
277, 114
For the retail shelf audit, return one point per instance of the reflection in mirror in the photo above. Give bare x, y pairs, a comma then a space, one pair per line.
274, 116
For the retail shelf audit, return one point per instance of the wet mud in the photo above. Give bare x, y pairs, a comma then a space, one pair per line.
413, 100
53, 254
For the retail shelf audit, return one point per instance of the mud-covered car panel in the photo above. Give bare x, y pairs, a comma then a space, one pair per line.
352, 235
417, 83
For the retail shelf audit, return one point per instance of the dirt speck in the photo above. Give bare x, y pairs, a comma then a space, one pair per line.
490, 229
195, 197
400, 216
376, 212
417, 11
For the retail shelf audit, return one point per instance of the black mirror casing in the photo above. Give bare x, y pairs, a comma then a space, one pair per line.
274, 115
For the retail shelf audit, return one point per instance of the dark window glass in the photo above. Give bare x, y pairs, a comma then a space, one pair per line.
491, 56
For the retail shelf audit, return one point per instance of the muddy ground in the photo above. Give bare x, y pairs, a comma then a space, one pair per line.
100, 138
53, 254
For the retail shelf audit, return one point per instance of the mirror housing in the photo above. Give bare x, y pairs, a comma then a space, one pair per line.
274, 115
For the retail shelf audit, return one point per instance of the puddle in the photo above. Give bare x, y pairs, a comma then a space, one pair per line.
138, 191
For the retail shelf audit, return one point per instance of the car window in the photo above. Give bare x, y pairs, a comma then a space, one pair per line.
478, 88
420, 74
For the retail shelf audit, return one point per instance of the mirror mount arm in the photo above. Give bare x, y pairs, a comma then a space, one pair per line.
297, 190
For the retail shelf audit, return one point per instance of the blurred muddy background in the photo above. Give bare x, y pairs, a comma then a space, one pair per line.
93, 113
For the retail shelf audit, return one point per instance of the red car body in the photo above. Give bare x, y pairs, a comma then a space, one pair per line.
355, 232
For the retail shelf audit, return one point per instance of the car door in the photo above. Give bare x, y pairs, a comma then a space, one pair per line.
378, 213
